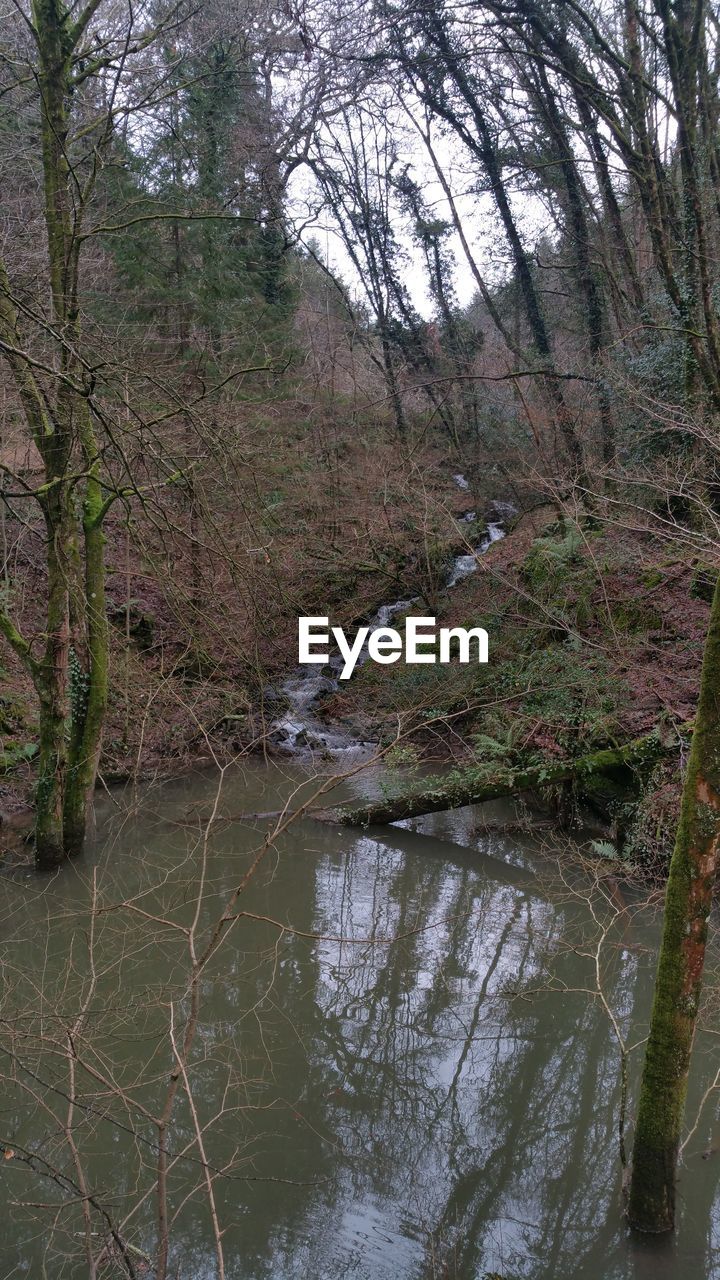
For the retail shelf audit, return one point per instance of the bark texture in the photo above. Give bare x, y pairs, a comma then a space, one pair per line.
474, 786
688, 899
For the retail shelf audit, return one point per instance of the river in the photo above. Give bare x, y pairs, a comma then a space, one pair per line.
402, 1068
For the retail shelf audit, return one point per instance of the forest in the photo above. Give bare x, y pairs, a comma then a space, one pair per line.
356, 960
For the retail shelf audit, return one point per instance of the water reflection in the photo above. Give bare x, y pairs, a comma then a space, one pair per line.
401, 1068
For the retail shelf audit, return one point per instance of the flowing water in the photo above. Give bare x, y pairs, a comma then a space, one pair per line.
299, 730
402, 1068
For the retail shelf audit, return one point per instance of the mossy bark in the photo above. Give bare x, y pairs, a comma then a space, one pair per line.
51, 682
70, 677
474, 786
688, 898
89, 679
73, 687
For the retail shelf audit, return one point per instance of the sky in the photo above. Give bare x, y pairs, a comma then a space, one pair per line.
476, 213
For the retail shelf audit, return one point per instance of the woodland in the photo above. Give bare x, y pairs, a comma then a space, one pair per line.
358, 310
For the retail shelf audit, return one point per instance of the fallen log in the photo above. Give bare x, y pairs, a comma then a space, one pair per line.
477, 784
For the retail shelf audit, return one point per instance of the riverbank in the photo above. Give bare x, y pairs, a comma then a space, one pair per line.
595, 639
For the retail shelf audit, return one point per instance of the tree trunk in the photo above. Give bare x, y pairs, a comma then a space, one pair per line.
88, 684
474, 786
52, 688
682, 956
71, 679
50, 787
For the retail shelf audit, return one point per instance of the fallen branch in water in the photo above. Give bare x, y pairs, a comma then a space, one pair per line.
477, 784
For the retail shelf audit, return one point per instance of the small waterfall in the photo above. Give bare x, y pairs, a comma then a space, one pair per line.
299, 730
463, 566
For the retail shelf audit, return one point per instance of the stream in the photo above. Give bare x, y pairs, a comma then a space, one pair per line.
299, 730
400, 1065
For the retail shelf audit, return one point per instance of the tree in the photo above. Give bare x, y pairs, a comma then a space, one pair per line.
80, 63
688, 900
433, 56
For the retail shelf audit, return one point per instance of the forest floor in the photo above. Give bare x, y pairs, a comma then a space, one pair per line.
593, 639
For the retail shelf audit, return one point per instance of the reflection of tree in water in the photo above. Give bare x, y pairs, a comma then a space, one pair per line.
490, 1122
381, 1107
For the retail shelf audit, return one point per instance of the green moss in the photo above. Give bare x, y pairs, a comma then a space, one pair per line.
477, 784
633, 616
688, 901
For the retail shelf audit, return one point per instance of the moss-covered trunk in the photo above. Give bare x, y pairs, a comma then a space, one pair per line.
475, 786
71, 677
51, 682
88, 676
51, 673
688, 899
71, 680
